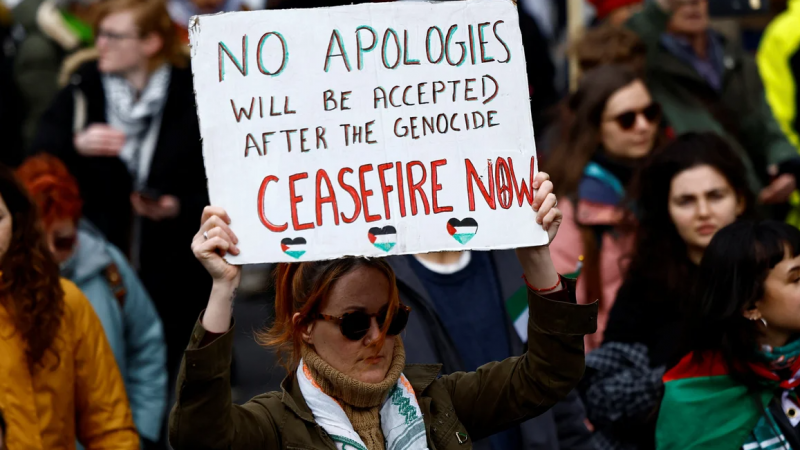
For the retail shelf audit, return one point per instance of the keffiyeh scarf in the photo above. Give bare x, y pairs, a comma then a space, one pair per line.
401, 418
138, 115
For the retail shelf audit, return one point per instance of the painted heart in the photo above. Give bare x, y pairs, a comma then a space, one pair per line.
462, 230
384, 238
294, 247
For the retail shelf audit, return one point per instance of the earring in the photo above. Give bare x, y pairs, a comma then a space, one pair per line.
764, 321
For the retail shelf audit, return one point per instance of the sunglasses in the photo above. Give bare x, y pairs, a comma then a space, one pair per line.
627, 120
355, 325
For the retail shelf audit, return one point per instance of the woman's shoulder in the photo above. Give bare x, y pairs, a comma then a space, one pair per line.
76, 303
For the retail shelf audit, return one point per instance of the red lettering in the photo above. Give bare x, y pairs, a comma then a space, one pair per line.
526, 192
416, 187
261, 213
330, 198
385, 188
501, 176
472, 174
401, 195
436, 187
353, 193
366, 193
295, 199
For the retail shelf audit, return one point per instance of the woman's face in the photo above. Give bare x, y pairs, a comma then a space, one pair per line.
631, 142
701, 202
363, 289
6, 228
780, 306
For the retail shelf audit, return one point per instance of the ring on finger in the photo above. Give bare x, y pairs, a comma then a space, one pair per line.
205, 235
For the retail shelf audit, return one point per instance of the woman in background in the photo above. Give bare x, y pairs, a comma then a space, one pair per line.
102, 273
613, 125
736, 386
686, 193
58, 378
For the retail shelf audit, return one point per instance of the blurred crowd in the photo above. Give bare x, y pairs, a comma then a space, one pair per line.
677, 125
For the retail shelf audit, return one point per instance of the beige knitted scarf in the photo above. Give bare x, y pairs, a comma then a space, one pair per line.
360, 401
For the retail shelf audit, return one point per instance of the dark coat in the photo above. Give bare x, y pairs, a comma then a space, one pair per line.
168, 268
498, 396
739, 112
427, 342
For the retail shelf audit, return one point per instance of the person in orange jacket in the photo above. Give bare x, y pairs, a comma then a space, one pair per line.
59, 381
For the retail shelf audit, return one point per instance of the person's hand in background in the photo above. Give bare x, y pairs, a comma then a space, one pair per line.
165, 207
99, 139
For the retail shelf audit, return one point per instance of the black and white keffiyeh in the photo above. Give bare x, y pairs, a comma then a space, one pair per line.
138, 115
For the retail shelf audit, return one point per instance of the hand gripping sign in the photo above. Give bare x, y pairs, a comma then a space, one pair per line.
371, 130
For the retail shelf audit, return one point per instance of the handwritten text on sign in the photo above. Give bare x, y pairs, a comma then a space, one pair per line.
371, 129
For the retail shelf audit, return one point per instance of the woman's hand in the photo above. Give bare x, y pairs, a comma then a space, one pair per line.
212, 242
545, 204
536, 263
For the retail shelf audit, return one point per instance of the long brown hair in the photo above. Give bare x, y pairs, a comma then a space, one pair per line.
30, 287
301, 288
580, 130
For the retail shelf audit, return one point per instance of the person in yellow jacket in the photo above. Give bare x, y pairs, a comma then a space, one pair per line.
778, 61
59, 381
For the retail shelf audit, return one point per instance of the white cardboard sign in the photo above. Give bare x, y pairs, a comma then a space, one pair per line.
370, 130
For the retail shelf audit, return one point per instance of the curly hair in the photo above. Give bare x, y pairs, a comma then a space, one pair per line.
660, 254
30, 286
301, 288
52, 188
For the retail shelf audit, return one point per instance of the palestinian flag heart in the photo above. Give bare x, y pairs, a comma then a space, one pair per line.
384, 238
462, 230
294, 247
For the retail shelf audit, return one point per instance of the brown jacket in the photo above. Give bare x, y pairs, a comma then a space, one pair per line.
495, 397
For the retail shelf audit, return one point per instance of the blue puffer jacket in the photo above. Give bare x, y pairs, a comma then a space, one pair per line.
132, 325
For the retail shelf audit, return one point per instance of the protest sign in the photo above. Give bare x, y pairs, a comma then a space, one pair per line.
371, 130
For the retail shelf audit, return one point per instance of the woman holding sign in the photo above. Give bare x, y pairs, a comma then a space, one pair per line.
337, 327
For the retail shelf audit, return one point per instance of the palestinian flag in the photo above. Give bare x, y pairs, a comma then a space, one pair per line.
705, 408
517, 308
383, 238
294, 247
462, 230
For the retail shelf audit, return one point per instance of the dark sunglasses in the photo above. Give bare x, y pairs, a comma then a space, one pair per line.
355, 325
65, 244
627, 120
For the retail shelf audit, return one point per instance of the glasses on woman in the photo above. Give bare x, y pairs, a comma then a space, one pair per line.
627, 120
355, 325
115, 37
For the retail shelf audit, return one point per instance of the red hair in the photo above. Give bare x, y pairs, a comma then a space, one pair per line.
151, 16
52, 188
301, 288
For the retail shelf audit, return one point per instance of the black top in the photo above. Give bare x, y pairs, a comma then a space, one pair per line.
649, 313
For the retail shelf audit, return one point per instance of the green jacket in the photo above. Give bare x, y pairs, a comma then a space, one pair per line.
740, 112
495, 397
